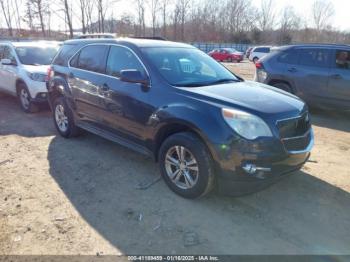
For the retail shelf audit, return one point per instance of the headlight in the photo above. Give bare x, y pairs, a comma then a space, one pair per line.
37, 77
245, 124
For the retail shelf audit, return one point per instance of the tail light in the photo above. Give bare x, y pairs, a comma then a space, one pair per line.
50, 74
259, 65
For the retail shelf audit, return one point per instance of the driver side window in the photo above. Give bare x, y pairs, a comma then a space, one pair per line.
8, 54
121, 58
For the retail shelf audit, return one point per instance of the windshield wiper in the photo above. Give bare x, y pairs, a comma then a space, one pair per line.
222, 81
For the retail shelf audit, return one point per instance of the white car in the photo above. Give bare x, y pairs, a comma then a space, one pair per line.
259, 52
23, 71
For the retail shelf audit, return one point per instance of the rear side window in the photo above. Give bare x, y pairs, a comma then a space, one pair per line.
93, 58
262, 50
288, 57
121, 58
65, 53
314, 57
342, 60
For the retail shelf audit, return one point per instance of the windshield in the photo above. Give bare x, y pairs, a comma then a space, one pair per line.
29, 55
231, 50
188, 67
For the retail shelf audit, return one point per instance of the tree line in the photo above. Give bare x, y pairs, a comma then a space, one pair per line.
180, 20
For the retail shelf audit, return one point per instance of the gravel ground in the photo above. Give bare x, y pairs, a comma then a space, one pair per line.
83, 196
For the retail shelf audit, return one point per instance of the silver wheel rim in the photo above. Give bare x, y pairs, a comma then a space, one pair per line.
61, 118
181, 167
24, 96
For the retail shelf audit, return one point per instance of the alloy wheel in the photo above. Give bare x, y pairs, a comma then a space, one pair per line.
181, 167
61, 118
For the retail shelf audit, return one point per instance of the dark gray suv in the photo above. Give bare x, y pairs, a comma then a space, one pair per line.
319, 74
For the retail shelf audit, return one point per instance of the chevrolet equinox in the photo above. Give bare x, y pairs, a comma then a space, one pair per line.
204, 125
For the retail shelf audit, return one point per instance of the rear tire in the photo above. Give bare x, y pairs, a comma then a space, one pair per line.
186, 165
25, 100
64, 119
283, 86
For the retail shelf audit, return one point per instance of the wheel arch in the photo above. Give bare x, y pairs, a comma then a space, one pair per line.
275, 81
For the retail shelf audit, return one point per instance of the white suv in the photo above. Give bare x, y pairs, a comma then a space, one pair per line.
259, 52
23, 71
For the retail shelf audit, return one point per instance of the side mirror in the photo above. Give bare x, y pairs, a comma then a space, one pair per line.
6, 62
134, 76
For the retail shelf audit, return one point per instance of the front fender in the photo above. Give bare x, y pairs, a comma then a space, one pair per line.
206, 123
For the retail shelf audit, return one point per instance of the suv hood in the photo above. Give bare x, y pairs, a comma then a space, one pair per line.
253, 97
42, 69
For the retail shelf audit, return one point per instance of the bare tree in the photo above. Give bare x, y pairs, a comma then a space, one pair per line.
68, 13
266, 15
182, 7
154, 8
141, 18
83, 10
322, 13
39, 9
7, 12
164, 10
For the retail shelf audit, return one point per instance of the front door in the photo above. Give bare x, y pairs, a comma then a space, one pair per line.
126, 108
8, 73
339, 82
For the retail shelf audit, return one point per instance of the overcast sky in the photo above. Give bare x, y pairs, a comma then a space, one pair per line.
341, 19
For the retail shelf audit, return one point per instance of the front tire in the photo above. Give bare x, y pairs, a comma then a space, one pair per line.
186, 165
25, 100
63, 118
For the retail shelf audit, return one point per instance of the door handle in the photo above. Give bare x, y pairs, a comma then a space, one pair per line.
104, 87
336, 76
292, 70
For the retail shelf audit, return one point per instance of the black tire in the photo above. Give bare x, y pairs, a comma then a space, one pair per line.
255, 59
25, 100
230, 59
71, 129
195, 147
283, 86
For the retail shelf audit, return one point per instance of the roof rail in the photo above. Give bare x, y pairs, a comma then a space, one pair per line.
86, 36
149, 37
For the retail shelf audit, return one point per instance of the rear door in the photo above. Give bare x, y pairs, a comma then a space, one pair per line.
339, 82
86, 80
311, 74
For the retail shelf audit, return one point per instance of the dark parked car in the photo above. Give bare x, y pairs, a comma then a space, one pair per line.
171, 101
319, 74
227, 54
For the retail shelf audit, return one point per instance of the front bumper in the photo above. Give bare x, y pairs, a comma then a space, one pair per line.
252, 166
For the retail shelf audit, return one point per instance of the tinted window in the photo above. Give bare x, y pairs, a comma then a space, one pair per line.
288, 57
30, 55
314, 57
7, 53
342, 60
262, 50
121, 58
92, 58
65, 53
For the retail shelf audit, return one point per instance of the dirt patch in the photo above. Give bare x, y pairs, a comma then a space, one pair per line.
85, 196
